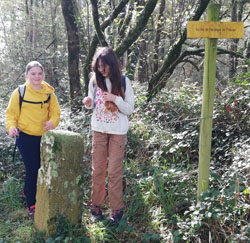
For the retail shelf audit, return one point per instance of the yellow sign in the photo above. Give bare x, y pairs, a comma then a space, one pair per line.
217, 30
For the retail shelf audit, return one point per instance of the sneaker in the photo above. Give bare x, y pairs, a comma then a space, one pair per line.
31, 211
116, 216
96, 212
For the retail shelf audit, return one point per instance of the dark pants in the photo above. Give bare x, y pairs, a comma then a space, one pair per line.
29, 147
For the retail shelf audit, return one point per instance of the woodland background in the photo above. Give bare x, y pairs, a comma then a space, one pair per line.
166, 71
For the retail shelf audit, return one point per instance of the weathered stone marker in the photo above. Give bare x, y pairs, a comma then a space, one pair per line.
58, 183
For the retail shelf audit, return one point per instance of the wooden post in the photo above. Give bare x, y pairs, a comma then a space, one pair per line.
211, 29
207, 104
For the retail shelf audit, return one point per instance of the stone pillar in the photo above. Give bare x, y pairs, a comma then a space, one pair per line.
58, 183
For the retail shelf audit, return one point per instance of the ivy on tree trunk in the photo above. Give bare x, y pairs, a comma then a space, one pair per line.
73, 52
140, 24
98, 29
158, 34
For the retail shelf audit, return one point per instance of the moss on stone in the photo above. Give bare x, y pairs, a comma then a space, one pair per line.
58, 187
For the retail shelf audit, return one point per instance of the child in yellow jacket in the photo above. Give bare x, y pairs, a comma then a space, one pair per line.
39, 112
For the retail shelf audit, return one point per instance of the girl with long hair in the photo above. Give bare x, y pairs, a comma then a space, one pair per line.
112, 100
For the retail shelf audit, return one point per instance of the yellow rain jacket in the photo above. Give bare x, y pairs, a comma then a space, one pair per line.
33, 116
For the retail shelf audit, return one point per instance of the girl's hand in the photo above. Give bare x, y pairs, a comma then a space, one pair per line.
109, 96
13, 132
48, 126
87, 101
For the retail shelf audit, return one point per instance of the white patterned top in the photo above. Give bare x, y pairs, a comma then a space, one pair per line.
104, 120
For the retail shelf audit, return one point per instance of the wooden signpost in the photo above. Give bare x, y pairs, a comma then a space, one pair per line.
218, 30
211, 30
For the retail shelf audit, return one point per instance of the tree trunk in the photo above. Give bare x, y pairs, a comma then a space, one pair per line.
98, 29
29, 30
127, 16
140, 24
73, 53
158, 34
235, 16
143, 68
53, 65
233, 47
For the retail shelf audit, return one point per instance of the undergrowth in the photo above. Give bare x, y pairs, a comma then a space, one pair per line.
160, 175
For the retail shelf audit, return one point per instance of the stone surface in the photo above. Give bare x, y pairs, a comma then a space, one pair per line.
59, 178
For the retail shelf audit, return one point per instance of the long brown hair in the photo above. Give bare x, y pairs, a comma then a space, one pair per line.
107, 57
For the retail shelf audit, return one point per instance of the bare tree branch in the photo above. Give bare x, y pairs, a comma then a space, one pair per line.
200, 52
134, 33
73, 52
98, 29
160, 78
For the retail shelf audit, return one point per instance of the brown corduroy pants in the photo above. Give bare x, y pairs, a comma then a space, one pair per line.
107, 152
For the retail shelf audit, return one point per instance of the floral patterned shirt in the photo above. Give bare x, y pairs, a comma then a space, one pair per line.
104, 120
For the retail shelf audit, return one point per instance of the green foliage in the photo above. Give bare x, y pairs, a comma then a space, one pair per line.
67, 232
28, 33
168, 127
162, 151
149, 237
223, 211
160, 175
11, 196
7, 145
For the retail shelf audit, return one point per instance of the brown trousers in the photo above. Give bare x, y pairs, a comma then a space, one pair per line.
106, 146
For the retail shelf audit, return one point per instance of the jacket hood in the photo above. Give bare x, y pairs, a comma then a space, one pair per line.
46, 88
